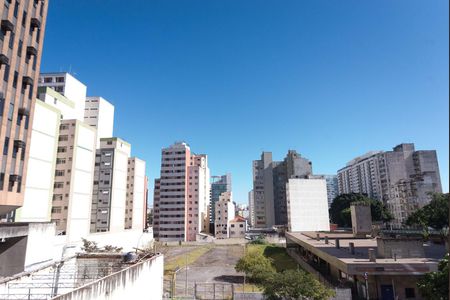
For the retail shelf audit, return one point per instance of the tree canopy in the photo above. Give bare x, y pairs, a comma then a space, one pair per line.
340, 209
434, 214
256, 266
434, 285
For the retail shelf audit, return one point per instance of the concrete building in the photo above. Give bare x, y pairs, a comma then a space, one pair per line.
99, 113
219, 185
110, 186
332, 187
401, 178
307, 205
251, 208
269, 186
181, 195
135, 211
389, 267
225, 213
74, 174
72, 103
21, 41
38, 192
238, 227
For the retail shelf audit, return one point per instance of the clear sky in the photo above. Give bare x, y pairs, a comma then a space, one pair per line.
330, 79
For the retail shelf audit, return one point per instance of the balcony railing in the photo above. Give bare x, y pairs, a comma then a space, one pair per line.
4, 60
7, 25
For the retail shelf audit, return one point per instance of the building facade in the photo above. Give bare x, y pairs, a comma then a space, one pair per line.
219, 185
21, 40
99, 113
225, 213
238, 227
332, 187
181, 195
110, 186
136, 194
401, 178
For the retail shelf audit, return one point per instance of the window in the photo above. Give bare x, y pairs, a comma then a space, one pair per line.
60, 161
63, 127
16, 77
56, 209
6, 146
16, 9
59, 173
63, 138
11, 111
59, 79
6, 74
19, 49
11, 40
2, 105
48, 80
57, 197
24, 19
410, 293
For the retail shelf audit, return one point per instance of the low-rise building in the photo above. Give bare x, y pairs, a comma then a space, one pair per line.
238, 227
225, 212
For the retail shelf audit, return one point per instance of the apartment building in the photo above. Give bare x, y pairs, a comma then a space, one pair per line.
332, 187
238, 227
181, 194
99, 113
72, 103
401, 178
219, 185
74, 174
110, 185
225, 213
135, 210
21, 40
269, 186
38, 193
251, 208
307, 205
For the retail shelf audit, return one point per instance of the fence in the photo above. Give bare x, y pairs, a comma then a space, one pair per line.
209, 291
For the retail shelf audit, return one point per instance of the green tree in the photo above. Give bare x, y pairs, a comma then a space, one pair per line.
256, 266
434, 214
293, 284
340, 209
434, 285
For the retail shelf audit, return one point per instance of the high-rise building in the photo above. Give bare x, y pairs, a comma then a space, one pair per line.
219, 185
181, 195
332, 187
269, 186
402, 178
136, 194
38, 197
99, 113
74, 174
110, 185
21, 40
72, 103
307, 205
225, 213
251, 208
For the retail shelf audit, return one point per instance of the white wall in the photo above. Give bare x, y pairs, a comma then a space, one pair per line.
307, 205
76, 91
119, 189
38, 191
138, 194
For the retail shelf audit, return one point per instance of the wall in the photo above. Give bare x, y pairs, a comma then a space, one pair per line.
145, 278
138, 194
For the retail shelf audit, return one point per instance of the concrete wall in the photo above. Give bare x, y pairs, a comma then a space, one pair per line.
145, 278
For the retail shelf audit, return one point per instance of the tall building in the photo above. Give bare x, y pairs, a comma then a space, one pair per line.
307, 205
181, 194
74, 175
21, 40
110, 186
99, 113
219, 185
269, 186
401, 178
251, 208
332, 187
225, 213
72, 103
136, 194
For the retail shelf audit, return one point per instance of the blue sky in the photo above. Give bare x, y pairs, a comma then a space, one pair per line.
331, 79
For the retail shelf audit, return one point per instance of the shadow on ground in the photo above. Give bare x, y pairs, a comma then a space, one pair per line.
230, 278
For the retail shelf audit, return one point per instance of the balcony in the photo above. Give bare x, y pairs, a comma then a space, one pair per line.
7, 25
31, 51
19, 144
35, 23
27, 80
4, 60
24, 111
14, 178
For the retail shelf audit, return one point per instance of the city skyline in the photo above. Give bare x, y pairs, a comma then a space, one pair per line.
284, 78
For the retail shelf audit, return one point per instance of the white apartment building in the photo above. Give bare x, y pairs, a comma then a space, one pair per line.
99, 113
74, 92
135, 214
225, 213
110, 186
41, 165
251, 207
307, 205
74, 173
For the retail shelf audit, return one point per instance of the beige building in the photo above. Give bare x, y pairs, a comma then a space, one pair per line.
21, 41
135, 210
74, 173
225, 213
238, 227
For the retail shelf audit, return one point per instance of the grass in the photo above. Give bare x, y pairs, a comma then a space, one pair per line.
180, 261
280, 259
